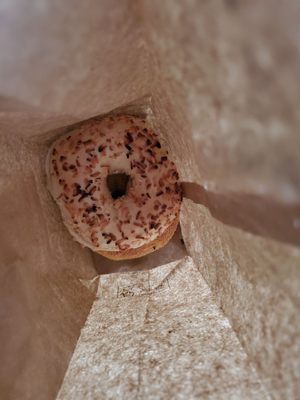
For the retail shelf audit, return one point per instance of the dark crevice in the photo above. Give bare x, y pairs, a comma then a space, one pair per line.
117, 184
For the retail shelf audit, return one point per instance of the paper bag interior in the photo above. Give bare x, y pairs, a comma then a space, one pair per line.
218, 80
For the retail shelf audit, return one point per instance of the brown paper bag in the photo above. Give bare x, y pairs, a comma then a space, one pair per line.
218, 81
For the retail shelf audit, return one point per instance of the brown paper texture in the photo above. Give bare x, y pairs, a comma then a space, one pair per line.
170, 341
218, 81
255, 281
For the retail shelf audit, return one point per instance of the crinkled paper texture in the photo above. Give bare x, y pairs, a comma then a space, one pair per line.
170, 340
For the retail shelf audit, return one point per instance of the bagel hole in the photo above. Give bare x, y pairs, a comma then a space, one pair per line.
117, 184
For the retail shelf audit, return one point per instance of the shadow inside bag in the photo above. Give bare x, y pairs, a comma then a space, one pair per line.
253, 213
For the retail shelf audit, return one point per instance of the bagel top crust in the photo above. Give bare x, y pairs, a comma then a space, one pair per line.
78, 167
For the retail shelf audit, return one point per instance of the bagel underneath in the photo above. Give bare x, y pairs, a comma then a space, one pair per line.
117, 189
